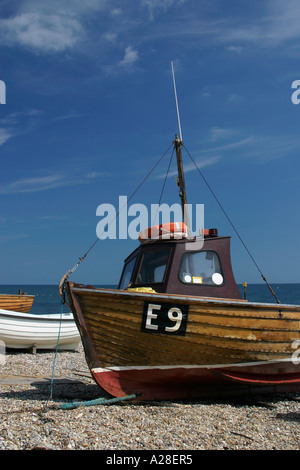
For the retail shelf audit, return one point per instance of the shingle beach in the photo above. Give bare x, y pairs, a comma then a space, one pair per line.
31, 419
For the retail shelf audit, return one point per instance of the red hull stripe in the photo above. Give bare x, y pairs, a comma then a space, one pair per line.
288, 378
190, 381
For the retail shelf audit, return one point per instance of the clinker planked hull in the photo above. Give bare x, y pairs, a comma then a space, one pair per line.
31, 331
161, 346
16, 303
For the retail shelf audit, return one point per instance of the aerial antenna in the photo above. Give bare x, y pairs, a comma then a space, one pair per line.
180, 134
180, 180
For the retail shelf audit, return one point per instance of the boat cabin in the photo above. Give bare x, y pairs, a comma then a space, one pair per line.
186, 266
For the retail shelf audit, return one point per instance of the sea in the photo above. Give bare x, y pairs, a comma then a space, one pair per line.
47, 299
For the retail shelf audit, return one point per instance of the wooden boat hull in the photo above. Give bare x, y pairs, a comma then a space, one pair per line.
16, 302
161, 346
28, 331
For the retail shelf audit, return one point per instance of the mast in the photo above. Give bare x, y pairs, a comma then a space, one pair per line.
181, 183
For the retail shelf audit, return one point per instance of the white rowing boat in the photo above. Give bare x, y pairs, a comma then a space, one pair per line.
31, 331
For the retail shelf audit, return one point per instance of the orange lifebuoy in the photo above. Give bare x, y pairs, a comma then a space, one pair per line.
159, 231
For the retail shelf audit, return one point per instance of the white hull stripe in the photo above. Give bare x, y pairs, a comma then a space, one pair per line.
98, 370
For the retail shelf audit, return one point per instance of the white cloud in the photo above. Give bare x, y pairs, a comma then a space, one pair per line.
56, 26
5, 135
11, 237
116, 12
278, 23
157, 6
17, 116
40, 32
234, 98
63, 6
110, 37
30, 185
95, 174
218, 133
200, 162
264, 149
275, 23
18, 123
44, 183
236, 49
48, 27
260, 149
69, 115
130, 57
232, 145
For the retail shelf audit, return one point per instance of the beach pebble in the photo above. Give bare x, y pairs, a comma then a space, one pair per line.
30, 418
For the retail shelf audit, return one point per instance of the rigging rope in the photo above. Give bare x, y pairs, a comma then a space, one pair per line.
56, 349
229, 220
164, 183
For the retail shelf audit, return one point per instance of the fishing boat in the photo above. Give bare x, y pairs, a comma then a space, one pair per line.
21, 302
34, 332
177, 326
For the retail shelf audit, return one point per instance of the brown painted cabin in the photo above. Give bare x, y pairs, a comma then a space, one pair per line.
188, 266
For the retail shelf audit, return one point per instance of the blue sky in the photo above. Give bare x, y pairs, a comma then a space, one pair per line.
90, 109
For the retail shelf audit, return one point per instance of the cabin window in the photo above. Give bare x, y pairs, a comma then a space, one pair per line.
201, 267
153, 267
127, 273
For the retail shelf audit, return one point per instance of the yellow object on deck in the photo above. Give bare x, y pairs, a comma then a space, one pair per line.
141, 289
